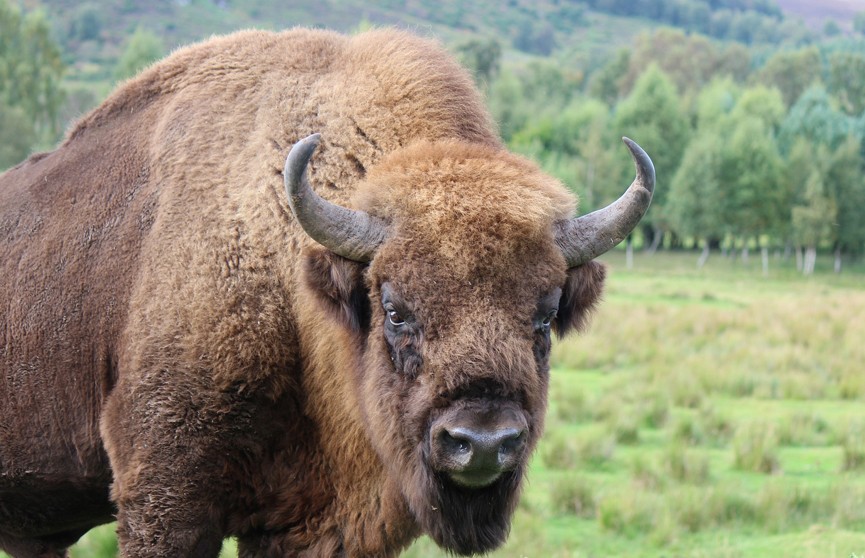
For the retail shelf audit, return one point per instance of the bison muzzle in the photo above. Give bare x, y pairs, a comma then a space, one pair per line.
291, 288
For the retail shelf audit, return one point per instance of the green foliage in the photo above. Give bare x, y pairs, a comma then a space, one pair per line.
815, 118
652, 116
847, 80
30, 74
87, 23
16, 135
482, 57
859, 23
143, 48
792, 72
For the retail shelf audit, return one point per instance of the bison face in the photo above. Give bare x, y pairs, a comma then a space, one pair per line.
461, 281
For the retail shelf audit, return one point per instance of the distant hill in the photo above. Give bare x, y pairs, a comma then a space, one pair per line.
815, 14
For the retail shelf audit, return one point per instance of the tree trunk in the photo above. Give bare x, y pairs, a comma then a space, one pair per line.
704, 256
837, 258
657, 238
799, 262
629, 253
764, 253
745, 253
810, 260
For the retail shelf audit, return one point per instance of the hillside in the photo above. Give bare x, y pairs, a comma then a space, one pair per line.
94, 33
815, 14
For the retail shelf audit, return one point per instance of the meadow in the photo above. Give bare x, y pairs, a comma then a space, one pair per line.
713, 412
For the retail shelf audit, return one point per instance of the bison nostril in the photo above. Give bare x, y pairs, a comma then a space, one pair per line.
455, 442
486, 449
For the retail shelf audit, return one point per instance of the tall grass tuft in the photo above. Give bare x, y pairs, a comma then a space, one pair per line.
853, 446
685, 465
755, 448
573, 494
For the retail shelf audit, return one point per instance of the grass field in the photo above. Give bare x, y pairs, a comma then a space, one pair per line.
706, 413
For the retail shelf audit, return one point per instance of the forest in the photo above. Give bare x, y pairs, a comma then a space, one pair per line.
755, 122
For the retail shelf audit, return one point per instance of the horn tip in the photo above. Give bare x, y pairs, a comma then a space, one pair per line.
645, 167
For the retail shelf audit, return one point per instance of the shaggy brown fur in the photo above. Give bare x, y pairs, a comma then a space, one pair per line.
166, 323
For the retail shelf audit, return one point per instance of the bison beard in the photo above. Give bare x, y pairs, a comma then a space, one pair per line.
465, 521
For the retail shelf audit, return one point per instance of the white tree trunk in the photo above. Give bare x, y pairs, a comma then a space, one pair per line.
810, 260
704, 256
764, 252
837, 259
745, 254
798, 258
629, 253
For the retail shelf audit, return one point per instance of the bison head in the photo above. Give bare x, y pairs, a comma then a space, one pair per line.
460, 262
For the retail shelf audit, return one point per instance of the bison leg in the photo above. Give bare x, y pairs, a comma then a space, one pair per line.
53, 546
167, 477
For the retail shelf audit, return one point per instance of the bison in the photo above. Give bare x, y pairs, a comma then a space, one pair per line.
324, 355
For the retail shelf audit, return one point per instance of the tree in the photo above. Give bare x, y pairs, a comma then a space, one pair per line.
815, 118
16, 135
483, 58
792, 72
696, 196
859, 23
652, 116
845, 182
847, 80
30, 69
812, 218
763, 104
751, 171
606, 83
143, 48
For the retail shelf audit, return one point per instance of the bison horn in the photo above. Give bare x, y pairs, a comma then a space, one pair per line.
587, 237
352, 234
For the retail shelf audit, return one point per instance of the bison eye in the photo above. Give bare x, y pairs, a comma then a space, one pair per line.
548, 320
394, 318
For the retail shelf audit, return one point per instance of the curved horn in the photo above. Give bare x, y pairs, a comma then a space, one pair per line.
586, 237
352, 234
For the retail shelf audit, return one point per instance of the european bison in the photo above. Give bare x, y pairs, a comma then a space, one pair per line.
334, 370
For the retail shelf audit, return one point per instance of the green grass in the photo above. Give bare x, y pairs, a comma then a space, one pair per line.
706, 413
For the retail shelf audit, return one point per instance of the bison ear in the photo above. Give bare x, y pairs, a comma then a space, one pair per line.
581, 293
339, 284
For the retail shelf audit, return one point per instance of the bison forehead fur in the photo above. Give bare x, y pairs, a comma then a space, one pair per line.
170, 330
